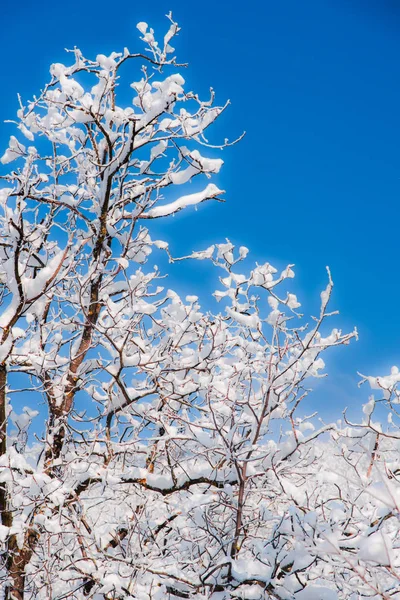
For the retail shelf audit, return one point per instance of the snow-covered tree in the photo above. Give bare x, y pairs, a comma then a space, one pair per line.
355, 515
158, 450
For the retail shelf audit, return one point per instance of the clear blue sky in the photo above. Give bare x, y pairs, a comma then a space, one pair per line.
315, 182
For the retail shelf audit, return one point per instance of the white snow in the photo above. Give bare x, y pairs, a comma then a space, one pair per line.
211, 191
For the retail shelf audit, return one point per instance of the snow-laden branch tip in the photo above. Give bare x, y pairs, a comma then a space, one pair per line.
210, 192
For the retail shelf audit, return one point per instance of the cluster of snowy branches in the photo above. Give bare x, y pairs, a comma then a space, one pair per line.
160, 450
